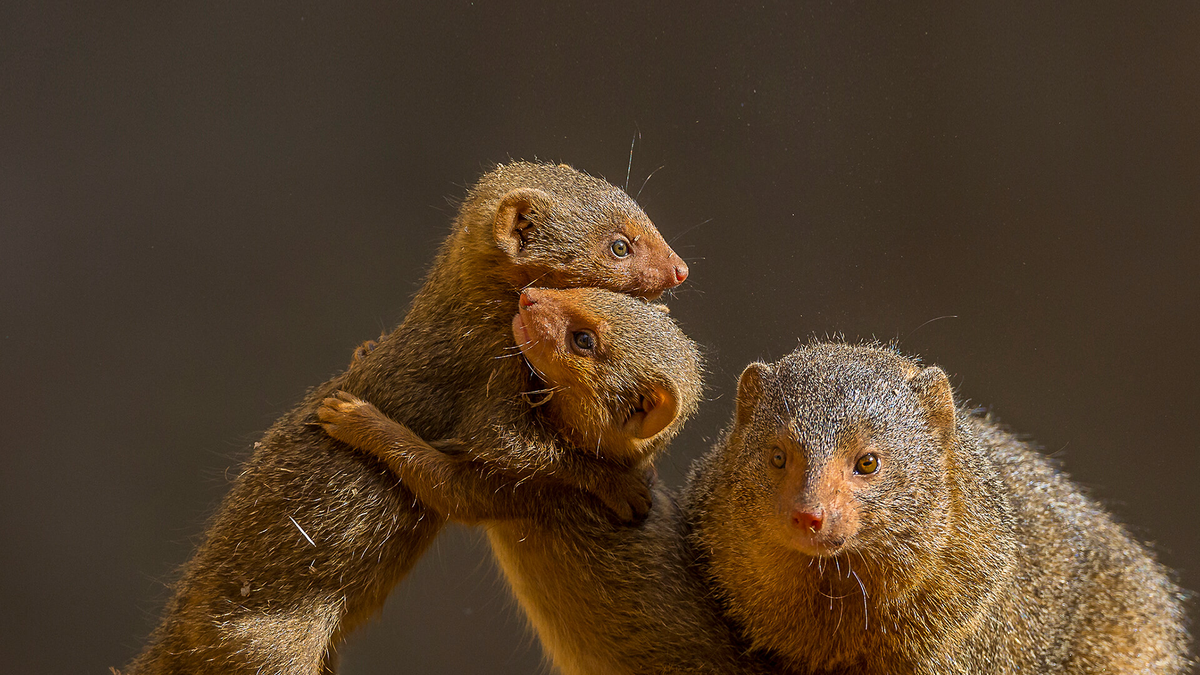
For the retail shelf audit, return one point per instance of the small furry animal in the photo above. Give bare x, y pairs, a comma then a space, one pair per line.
855, 521
588, 428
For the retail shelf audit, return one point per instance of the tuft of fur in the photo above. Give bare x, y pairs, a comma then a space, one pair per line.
603, 598
966, 551
312, 537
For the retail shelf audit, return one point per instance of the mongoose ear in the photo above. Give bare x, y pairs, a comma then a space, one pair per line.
932, 388
515, 218
659, 410
750, 390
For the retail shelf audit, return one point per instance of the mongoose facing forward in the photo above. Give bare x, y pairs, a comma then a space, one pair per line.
604, 599
855, 521
311, 537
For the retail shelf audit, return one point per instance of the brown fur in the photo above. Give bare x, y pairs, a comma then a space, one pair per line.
312, 537
964, 551
523, 455
604, 599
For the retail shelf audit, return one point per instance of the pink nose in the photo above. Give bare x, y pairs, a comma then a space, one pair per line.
808, 521
681, 272
527, 299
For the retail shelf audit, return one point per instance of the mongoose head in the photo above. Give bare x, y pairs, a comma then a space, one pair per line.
843, 448
555, 227
623, 376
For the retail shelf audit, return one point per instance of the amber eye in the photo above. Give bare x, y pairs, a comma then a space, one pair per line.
867, 464
584, 340
779, 459
620, 248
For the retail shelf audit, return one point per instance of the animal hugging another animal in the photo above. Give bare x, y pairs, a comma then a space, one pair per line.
940, 543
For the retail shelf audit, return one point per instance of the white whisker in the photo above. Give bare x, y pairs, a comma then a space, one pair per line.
639, 194
866, 614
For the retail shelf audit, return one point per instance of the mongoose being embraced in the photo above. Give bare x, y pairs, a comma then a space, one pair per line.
605, 598
592, 422
311, 537
854, 520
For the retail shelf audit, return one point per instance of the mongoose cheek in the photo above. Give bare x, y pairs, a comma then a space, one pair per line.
635, 278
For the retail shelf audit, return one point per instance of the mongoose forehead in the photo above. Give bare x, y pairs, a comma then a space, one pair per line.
825, 396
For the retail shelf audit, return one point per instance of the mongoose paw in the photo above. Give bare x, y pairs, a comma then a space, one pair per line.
628, 495
361, 351
340, 413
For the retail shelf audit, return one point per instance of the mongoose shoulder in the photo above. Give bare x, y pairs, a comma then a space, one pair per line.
312, 537
603, 598
853, 519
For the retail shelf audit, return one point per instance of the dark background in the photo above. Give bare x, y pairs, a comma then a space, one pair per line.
204, 208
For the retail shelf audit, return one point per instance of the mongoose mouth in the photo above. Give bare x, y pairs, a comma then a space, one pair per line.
534, 345
817, 548
527, 341
528, 336
520, 333
816, 543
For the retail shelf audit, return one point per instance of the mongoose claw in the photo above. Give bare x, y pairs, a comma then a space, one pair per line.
337, 413
361, 351
628, 496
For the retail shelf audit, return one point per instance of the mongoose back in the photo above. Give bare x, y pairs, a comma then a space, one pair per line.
603, 598
855, 521
311, 537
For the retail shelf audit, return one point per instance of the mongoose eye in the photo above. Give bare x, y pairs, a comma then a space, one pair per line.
620, 248
584, 340
778, 459
867, 464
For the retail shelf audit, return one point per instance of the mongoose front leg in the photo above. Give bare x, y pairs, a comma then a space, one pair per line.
625, 491
445, 476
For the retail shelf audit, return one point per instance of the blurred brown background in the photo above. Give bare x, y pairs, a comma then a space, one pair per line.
204, 208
